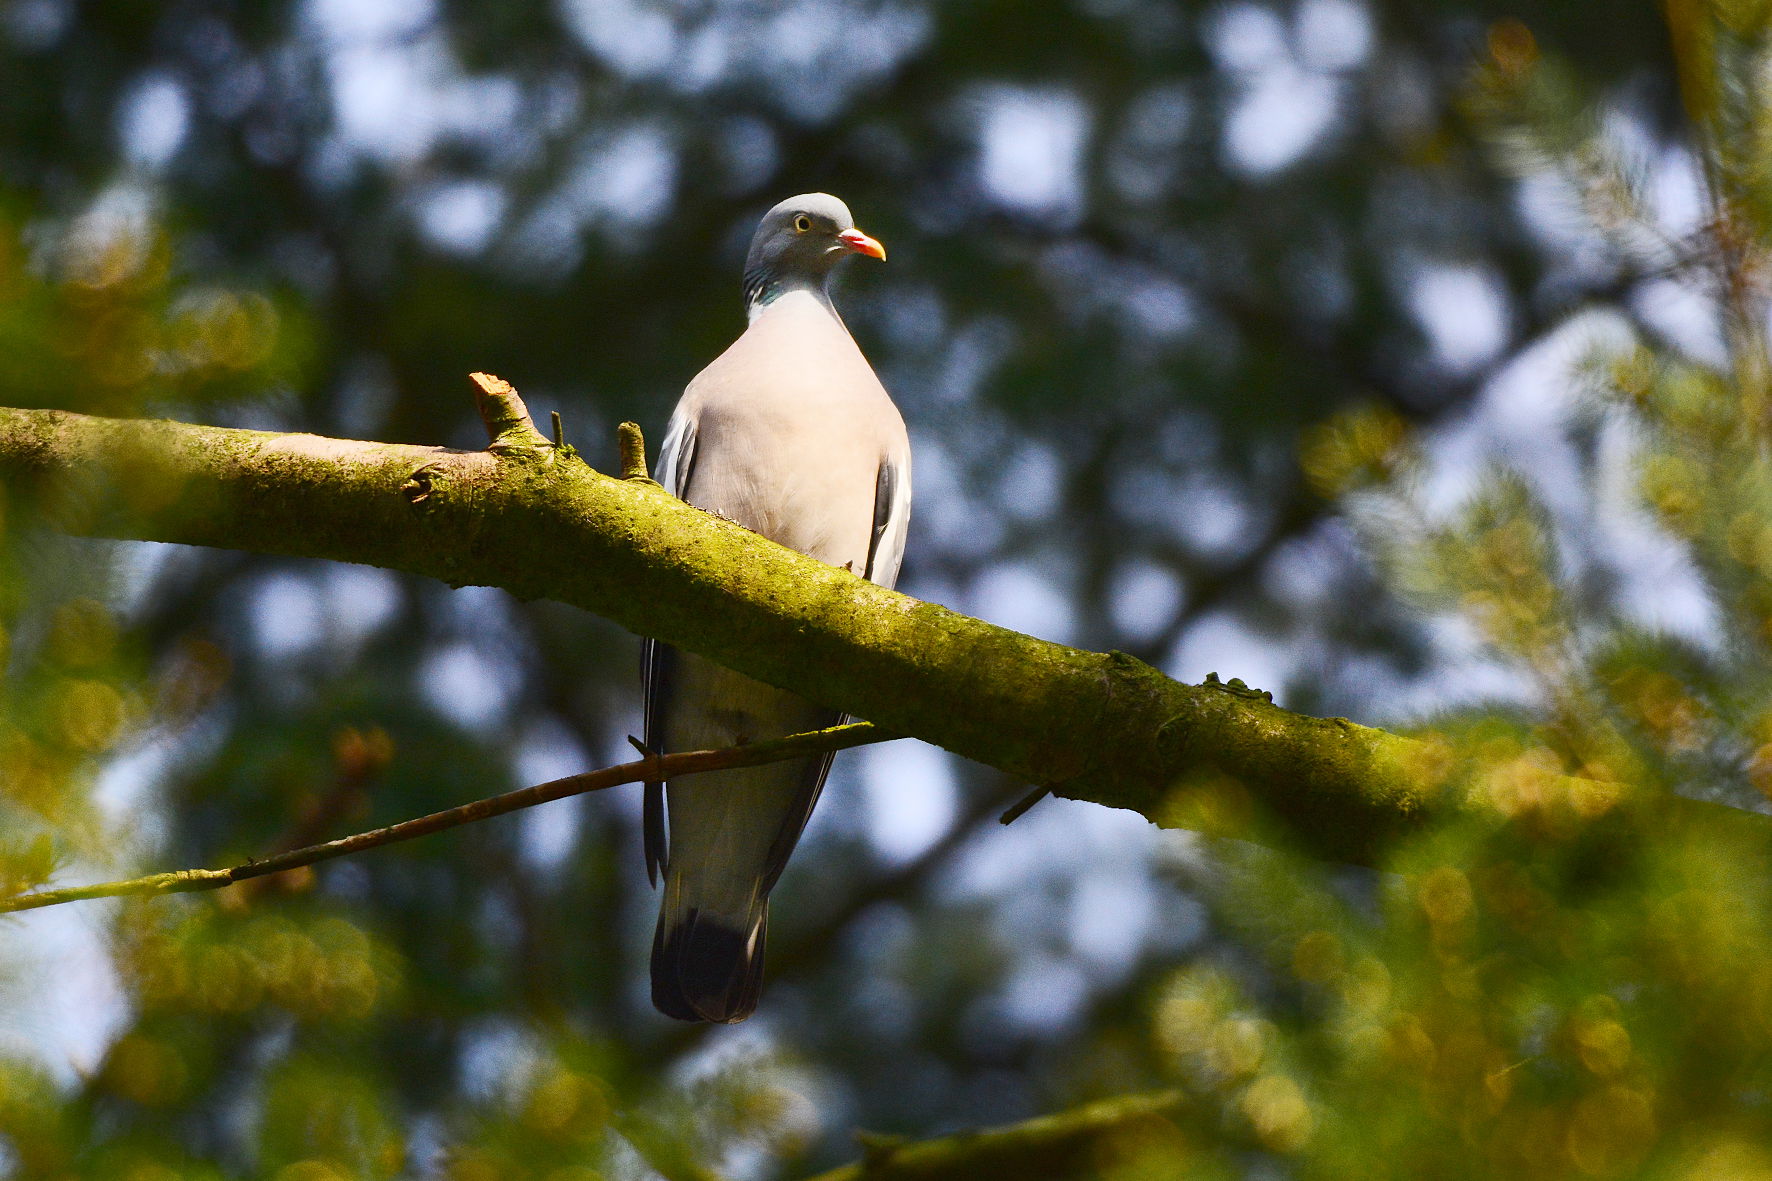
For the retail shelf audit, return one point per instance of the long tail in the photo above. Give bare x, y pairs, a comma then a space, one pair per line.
708, 966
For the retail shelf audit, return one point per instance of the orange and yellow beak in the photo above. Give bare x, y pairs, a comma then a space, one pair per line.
860, 243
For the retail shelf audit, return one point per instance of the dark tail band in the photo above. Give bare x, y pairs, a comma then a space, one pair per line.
704, 970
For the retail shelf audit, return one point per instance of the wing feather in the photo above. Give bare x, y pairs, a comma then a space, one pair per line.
892, 514
676, 466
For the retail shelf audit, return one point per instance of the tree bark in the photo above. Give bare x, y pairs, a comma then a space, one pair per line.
530, 517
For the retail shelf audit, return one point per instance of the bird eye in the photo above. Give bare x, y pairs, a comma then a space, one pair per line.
802, 223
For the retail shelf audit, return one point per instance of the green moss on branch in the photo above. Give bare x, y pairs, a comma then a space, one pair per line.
531, 518
1133, 1134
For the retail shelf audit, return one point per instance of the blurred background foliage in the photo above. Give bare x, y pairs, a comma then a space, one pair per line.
1404, 359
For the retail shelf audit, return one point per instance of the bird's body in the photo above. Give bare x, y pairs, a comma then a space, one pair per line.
789, 433
788, 438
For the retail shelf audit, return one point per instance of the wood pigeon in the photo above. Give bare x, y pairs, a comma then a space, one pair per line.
789, 433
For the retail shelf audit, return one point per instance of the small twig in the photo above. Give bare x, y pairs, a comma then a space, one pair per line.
506, 418
649, 758
559, 430
655, 766
631, 445
1020, 807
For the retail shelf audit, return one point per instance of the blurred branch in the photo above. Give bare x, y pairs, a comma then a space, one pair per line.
525, 516
654, 767
1133, 1131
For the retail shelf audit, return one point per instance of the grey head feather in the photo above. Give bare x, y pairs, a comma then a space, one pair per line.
795, 248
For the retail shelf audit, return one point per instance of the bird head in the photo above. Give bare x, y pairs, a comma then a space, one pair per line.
801, 239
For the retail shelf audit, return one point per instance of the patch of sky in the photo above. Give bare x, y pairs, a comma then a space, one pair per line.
1043, 993
347, 21
1526, 409
1461, 671
1111, 914
235, 81
360, 601
818, 54
1029, 482
286, 615
1023, 598
914, 320
340, 606
1333, 35
975, 350
1057, 841
1282, 105
814, 53
743, 1048
468, 686
1198, 508
1521, 421
140, 565
495, 1056
1030, 149
460, 217
110, 237
625, 180
121, 792
1155, 308
1246, 37
1686, 317
632, 38
749, 154
1676, 191
1282, 112
64, 1003
909, 792
152, 120
1464, 311
1301, 572
547, 751
396, 86
1143, 598
949, 515
36, 25
543, 245
1658, 586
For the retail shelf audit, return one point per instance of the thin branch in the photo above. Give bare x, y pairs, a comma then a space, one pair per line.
657, 767
1058, 1147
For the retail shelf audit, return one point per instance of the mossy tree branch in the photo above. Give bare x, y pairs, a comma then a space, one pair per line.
528, 516
1137, 1133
